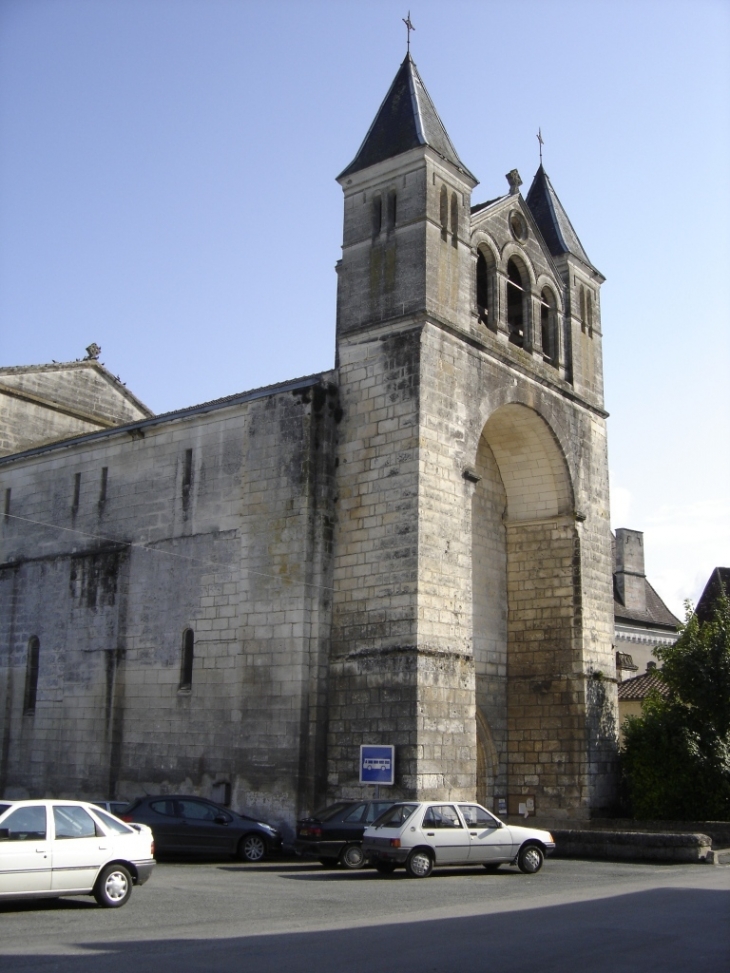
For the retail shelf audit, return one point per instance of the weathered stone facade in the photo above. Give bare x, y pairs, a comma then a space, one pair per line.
413, 549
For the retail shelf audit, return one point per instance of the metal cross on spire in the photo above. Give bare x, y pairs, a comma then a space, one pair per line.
409, 28
541, 141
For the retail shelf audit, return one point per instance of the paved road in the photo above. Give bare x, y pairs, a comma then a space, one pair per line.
572, 916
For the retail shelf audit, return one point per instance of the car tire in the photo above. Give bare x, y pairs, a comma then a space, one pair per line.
419, 864
252, 848
530, 859
113, 886
352, 857
385, 868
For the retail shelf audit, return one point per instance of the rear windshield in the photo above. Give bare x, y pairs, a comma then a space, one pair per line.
111, 823
325, 813
395, 816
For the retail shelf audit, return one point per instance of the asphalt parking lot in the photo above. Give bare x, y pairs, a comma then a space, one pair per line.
294, 917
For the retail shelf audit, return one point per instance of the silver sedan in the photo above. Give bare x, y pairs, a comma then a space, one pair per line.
422, 834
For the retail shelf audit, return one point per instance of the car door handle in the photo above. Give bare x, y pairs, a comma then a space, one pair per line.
103, 847
430, 834
473, 834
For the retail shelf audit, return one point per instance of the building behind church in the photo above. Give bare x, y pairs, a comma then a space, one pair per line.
412, 548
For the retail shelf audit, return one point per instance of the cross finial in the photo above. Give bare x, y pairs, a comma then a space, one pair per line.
409, 28
540, 140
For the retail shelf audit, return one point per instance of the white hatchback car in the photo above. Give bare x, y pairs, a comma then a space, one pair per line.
422, 834
50, 848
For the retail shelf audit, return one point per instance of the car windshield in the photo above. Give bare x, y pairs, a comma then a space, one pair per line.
395, 816
325, 813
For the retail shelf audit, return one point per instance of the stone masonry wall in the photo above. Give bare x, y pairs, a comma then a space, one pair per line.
560, 698
221, 523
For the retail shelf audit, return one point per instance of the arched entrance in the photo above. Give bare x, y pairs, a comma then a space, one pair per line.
524, 610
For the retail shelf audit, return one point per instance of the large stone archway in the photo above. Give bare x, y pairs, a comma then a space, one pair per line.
526, 614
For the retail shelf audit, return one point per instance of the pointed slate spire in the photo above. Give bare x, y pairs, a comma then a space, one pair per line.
406, 119
552, 219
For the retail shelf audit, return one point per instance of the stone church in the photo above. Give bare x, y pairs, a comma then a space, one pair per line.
411, 549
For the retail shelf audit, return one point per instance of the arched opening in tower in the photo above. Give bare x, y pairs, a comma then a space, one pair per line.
525, 608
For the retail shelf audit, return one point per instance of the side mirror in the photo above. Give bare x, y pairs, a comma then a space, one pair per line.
221, 819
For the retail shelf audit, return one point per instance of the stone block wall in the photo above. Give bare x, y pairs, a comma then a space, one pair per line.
218, 521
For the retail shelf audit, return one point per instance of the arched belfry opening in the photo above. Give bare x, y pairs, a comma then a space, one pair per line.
524, 612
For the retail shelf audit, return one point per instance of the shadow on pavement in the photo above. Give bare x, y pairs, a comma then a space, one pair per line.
656, 931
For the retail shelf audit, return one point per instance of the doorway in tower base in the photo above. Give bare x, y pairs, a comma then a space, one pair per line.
526, 615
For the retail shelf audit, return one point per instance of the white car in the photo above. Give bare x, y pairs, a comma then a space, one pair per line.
421, 834
50, 848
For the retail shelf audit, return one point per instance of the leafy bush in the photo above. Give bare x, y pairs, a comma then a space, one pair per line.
676, 756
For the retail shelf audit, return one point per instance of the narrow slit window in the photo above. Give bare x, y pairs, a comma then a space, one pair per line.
444, 211
589, 313
31, 674
187, 471
186, 664
7, 503
582, 308
103, 483
377, 215
77, 493
392, 209
515, 305
454, 219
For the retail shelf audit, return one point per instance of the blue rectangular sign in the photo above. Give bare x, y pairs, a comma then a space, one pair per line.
377, 765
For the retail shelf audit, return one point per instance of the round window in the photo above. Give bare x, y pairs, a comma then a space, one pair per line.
517, 225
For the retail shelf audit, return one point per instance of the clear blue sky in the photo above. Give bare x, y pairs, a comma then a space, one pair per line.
167, 190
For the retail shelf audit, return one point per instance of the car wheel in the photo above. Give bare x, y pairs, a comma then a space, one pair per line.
352, 856
113, 886
385, 868
251, 848
419, 864
530, 859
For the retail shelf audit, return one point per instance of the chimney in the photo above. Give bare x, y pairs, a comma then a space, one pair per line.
630, 577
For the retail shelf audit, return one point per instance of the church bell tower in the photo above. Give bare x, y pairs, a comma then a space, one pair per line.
472, 601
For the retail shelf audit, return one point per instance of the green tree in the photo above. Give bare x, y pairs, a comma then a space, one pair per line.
676, 756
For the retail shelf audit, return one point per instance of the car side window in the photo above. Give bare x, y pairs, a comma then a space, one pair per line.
26, 824
355, 815
441, 816
197, 811
476, 817
395, 816
73, 822
375, 810
164, 807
